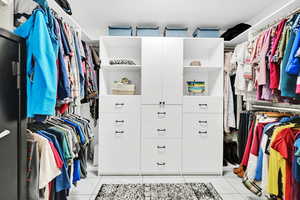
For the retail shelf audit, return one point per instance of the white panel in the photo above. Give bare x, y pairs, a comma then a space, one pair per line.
161, 122
120, 104
202, 144
152, 61
119, 143
194, 104
161, 156
173, 71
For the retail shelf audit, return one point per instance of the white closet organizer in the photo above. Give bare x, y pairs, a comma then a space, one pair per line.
161, 129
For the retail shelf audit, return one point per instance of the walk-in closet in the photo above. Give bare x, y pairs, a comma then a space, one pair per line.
149, 100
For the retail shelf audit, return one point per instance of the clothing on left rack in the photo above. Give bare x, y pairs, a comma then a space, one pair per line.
62, 155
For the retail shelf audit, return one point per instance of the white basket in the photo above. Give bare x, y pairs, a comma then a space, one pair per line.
123, 89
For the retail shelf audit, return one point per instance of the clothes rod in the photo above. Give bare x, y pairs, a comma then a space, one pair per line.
277, 108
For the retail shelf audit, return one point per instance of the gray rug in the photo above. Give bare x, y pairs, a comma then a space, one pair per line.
184, 191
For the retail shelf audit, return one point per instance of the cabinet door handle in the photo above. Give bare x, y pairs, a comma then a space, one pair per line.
160, 163
202, 132
161, 147
119, 105
161, 130
4, 133
203, 105
161, 113
119, 132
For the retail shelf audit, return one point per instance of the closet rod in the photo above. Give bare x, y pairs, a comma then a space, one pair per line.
275, 22
283, 109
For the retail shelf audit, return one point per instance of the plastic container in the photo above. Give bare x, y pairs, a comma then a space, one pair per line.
196, 88
148, 31
206, 33
175, 32
120, 31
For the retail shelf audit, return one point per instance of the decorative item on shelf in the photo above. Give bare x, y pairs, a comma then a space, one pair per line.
123, 87
150, 31
196, 88
175, 32
196, 63
121, 62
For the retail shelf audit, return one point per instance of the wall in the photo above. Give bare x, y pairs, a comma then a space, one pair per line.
6, 15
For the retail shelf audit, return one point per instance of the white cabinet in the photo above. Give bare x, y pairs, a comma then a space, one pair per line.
162, 70
165, 128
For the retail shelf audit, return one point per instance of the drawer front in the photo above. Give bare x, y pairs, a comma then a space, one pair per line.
202, 144
162, 122
119, 143
120, 104
202, 125
202, 105
161, 156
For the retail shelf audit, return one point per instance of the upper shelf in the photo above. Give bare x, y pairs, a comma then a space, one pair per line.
121, 67
201, 68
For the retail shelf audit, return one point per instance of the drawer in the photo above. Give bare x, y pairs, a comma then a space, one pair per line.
162, 122
202, 125
119, 143
120, 104
202, 104
161, 156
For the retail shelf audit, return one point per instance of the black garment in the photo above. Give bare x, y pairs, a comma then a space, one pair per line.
232, 81
235, 31
64, 4
243, 133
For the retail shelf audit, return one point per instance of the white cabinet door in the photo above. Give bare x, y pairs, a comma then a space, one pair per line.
152, 64
119, 143
173, 71
202, 148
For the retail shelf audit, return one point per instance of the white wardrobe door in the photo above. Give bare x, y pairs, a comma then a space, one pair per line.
152, 64
173, 71
119, 143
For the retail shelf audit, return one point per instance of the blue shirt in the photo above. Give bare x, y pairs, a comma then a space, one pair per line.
41, 65
296, 161
78, 130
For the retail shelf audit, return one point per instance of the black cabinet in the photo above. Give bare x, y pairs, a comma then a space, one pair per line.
12, 117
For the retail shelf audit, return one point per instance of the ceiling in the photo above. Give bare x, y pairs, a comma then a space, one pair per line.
96, 15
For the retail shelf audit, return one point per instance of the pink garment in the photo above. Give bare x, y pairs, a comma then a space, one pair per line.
261, 70
274, 66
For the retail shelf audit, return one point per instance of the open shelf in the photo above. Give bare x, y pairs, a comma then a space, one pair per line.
121, 67
200, 68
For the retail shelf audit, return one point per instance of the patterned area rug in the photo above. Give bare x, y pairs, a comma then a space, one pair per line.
187, 191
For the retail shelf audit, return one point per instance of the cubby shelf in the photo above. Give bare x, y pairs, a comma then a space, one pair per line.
121, 67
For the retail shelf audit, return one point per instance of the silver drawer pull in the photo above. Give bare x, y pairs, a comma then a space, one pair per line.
119, 105
161, 164
161, 147
203, 105
202, 132
120, 121
202, 122
161, 113
4, 133
119, 132
161, 130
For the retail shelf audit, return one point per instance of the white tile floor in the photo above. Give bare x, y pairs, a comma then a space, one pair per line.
228, 186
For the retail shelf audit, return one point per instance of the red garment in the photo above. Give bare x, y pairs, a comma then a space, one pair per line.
257, 136
284, 144
248, 145
57, 157
274, 66
63, 108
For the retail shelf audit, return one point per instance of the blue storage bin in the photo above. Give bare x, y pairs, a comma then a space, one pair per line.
120, 31
207, 33
147, 31
176, 32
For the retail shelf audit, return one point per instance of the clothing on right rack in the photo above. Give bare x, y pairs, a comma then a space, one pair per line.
269, 64
271, 155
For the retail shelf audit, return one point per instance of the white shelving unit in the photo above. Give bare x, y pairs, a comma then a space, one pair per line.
161, 129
